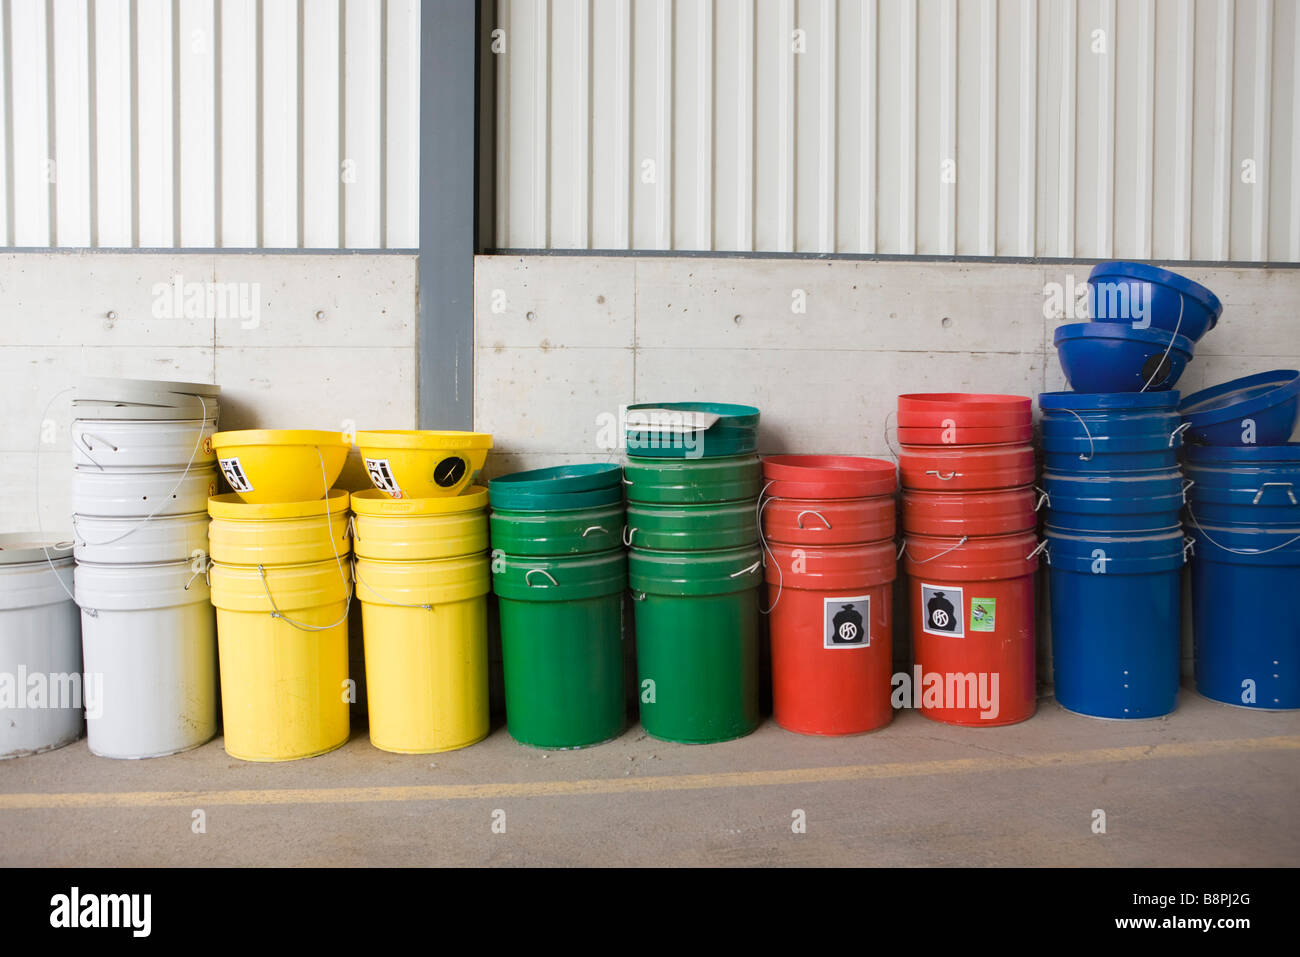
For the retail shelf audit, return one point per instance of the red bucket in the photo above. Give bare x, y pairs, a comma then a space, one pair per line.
937, 410
846, 521
828, 476
966, 435
972, 604
954, 514
964, 468
831, 620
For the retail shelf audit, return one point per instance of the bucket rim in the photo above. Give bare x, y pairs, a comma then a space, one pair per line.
431, 440
1108, 401
376, 503
279, 438
230, 507
26, 548
1125, 333
1214, 405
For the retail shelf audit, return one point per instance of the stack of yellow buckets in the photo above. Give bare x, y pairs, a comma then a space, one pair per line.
422, 578
282, 582
282, 585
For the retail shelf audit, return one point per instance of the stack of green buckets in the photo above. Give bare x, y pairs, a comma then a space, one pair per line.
695, 567
559, 571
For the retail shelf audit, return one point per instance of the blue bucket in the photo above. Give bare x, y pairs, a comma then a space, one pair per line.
1146, 502
1247, 632
1252, 486
1116, 622
1112, 357
1259, 409
1114, 463
1168, 301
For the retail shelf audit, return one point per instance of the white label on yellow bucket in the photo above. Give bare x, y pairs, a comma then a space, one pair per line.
381, 476
235, 475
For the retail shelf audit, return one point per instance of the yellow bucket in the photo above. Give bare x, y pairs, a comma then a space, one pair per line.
269, 466
407, 464
426, 652
420, 529
284, 659
296, 533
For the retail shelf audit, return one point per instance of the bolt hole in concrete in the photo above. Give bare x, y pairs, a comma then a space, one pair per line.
736, 319
945, 322
531, 316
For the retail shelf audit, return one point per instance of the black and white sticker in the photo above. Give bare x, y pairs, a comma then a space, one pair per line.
381, 476
235, 475
942, 611
846, 622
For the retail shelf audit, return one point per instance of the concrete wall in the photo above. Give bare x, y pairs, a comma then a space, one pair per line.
561, 341
334, 342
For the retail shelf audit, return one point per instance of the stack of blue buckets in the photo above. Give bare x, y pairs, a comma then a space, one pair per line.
1243, 513
1115, 546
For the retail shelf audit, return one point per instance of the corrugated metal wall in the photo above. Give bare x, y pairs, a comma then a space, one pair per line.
1165, 129
210, 123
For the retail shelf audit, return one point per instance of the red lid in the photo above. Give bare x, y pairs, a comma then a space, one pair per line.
971, 558
828, 476
1001, 512
958, 468
932, 410
966, 435
837, 567
845, 521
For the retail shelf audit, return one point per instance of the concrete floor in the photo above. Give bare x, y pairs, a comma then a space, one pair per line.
1208, 786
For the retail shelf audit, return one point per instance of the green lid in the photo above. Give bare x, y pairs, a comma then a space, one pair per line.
559, 579
691, 430
576, 531
693, 481
678, 528
719, 572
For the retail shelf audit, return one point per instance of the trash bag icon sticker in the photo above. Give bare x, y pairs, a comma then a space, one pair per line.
847, 622
942, 611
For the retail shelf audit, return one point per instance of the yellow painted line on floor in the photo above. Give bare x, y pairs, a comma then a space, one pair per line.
669, 782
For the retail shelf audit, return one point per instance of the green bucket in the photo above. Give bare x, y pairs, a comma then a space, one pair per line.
562, 647
693, 481
579, 531
681, 528
660, 430
697, 624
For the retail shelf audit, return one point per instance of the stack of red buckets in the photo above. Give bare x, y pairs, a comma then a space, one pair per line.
828, 526
970, 554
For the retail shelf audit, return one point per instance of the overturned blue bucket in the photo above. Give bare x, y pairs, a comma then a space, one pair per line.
1113, 357
1116, 621
1124, 502
1129, 292
1260, 409
1245, 582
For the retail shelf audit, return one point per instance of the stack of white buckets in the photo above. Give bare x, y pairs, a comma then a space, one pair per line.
145, 469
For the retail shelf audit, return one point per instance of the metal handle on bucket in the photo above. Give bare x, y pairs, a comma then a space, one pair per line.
923, 561
1187, 485
1177, 432
534, 571
1092, 446
427, 606
941, 477
1042, 547
595, 528
300, 625
1168, 349
628, 534
799, 521
1189, 547
1043, 499
1290, 491
1239, 551
745, 571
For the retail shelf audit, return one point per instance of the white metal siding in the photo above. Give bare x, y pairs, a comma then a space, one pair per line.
210, 123
1150, 129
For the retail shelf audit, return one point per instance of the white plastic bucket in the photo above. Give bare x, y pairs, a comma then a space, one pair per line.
165, 538
108, 444
135, 494
40, 649
150, 646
